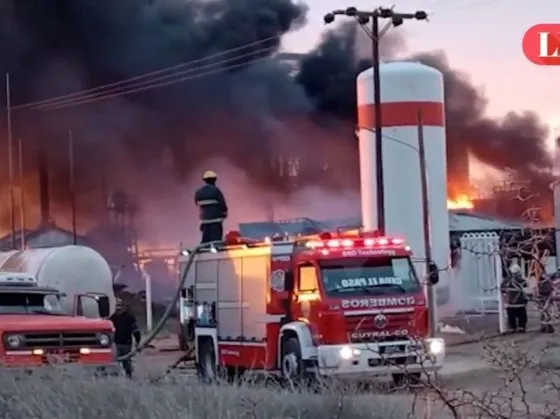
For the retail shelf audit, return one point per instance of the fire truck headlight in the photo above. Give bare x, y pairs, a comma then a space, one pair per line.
104, 340
436, 346
346, 352
13, 341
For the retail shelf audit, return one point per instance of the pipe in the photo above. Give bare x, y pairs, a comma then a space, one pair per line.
149, 306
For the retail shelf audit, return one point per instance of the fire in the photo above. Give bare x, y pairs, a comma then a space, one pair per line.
460, 202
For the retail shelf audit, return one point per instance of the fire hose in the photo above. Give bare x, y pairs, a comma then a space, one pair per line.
169, 310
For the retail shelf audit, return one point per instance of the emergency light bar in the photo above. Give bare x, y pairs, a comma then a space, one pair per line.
346, 243
345, 239
17, 279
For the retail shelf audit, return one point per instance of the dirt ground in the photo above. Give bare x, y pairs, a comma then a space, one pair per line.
522, 379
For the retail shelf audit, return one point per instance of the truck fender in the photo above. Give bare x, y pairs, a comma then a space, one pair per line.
303, 333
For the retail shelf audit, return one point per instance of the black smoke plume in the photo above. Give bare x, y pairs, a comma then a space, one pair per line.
515, 142
250, 118
153, 138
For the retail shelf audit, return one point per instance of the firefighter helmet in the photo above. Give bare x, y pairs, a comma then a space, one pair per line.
209, 174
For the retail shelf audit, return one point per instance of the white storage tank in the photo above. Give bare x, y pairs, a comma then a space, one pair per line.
407, 89
70, 269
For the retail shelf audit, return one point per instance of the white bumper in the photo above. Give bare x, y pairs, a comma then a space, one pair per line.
374, 359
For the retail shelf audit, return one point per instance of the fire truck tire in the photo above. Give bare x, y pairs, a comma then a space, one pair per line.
402, 380
182, 342
206, 366
292, 366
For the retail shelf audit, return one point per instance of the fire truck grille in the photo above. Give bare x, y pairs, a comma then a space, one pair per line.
60, 340
362, 329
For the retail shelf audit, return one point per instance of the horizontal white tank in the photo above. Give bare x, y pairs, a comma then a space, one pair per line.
70, 269
407, 90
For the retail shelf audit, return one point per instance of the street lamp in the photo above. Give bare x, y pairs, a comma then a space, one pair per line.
363, 18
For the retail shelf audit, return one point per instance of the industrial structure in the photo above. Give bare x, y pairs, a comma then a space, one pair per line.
411, 99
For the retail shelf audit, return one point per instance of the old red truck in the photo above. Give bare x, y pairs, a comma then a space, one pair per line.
36, 332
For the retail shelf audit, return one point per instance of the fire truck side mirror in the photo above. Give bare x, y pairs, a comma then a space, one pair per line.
289, 282
288, 286
433, 273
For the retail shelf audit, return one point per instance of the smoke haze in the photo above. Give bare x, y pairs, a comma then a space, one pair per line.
516, 141
252, 124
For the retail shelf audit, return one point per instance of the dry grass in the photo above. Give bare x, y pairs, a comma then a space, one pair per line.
524, 382
57, 396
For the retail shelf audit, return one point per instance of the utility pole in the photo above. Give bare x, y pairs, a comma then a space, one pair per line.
72, 185
21, 195
363, 18
11, 159
426, 224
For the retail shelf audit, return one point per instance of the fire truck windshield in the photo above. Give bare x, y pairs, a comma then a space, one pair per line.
31, 303
371, 276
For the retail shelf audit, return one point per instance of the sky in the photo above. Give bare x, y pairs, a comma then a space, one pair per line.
481, 37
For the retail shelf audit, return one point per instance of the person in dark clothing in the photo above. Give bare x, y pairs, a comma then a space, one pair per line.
512, 288
544, 301
213, 208
126, 328
548, 301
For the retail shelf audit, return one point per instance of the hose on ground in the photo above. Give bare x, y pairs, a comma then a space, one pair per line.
170, 368
172, 304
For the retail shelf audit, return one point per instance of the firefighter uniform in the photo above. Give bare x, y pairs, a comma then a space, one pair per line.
212, 207
512, 288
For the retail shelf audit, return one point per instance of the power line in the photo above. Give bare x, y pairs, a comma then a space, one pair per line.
143, 76
162, 81
151, 86
134, 84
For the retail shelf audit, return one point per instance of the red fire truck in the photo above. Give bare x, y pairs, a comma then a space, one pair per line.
333, 304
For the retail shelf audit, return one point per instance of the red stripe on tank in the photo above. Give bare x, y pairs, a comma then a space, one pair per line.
402, 114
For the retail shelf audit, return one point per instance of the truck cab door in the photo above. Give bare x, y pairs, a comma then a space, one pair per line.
92, 305
307, 295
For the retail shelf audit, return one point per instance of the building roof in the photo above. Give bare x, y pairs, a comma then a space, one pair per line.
464, 221
459, 221
30, 235
294, 226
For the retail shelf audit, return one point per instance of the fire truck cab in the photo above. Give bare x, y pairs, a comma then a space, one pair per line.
335, 304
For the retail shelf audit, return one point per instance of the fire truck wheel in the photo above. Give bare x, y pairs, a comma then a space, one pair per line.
207, 361
403, 380
292, 367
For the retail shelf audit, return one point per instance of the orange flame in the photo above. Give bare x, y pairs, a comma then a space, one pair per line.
460, 202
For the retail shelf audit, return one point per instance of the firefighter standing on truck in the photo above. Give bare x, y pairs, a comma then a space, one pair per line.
126, 328
513, 290
213, 208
